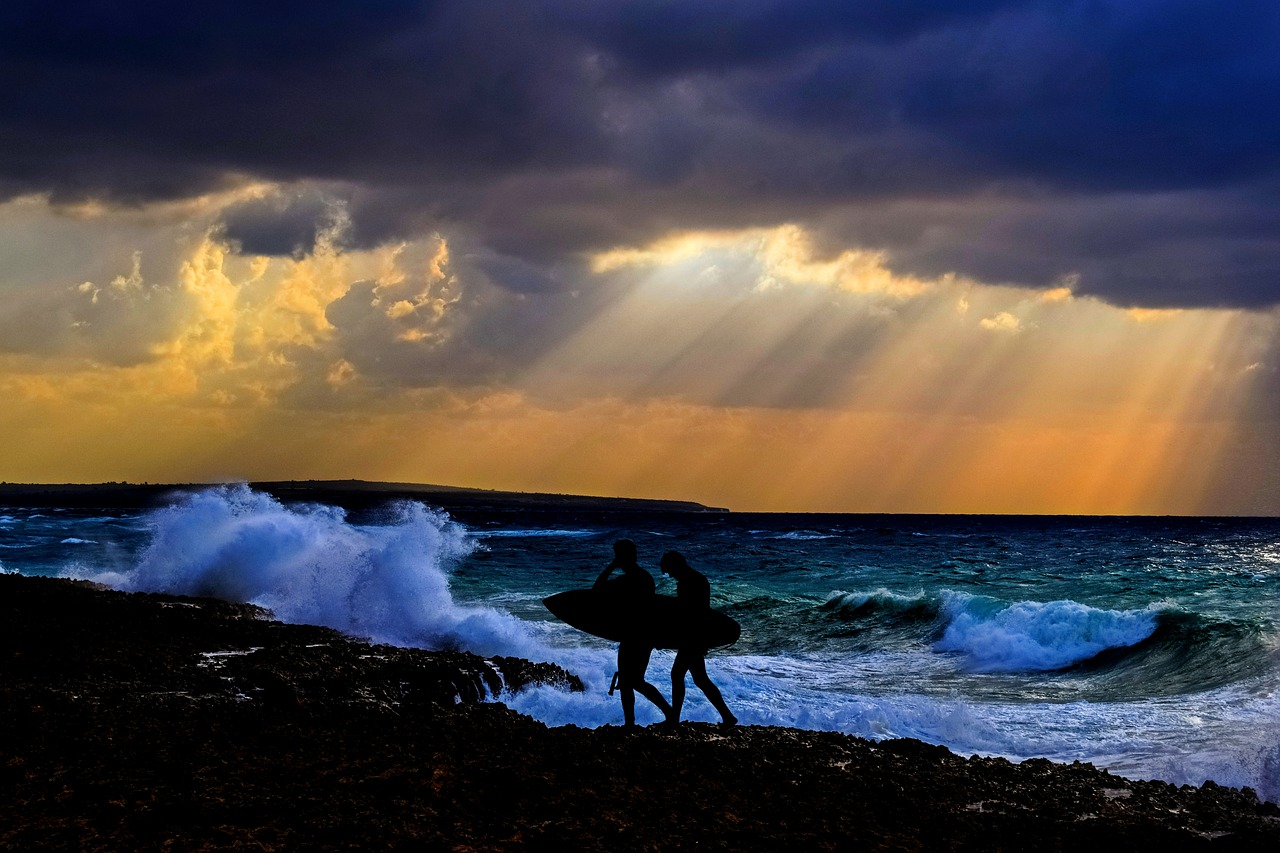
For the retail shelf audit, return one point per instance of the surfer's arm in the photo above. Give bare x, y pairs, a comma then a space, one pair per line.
604, 576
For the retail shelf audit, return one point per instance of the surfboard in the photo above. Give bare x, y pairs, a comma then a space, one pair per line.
662, 621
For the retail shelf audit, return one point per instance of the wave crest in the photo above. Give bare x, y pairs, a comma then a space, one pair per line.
1034, 635
858, 605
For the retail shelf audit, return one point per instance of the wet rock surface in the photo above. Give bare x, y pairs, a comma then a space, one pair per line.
147, 721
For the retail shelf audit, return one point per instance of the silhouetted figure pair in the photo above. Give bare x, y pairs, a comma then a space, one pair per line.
694, 593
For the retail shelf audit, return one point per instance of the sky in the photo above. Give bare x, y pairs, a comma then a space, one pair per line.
889, 256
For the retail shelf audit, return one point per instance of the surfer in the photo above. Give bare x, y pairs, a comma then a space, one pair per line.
694, 592
635, 585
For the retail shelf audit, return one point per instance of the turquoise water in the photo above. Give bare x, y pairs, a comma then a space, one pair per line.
1148, 646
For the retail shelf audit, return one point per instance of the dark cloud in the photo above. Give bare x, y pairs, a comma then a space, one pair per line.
284, 223
1133, 142
662, 37
383, 92
1144, 95
1209, 248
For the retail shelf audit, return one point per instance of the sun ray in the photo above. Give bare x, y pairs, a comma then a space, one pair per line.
956, 396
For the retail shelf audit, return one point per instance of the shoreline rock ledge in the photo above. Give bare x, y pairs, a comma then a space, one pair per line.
136, 721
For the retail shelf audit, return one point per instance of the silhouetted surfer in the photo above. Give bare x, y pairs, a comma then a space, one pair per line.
636, 585
693, 592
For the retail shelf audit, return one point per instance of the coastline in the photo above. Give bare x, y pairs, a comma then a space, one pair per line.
348, 494
139, 720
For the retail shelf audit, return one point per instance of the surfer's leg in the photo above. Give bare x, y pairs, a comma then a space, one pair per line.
678, 671
647, 690
632, 662
651, 693
698, 666
626, 689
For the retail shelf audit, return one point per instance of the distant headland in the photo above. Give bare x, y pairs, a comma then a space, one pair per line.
350, 494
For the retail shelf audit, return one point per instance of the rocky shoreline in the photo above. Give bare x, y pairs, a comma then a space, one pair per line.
148, 721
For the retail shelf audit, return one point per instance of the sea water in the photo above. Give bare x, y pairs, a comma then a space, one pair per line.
1147, 646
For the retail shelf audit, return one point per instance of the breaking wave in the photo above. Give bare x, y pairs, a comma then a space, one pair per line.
308, 564
1034, 635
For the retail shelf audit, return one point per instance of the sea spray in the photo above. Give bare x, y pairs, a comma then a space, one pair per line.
308, 564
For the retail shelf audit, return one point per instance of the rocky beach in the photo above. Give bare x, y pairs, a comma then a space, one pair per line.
140, 721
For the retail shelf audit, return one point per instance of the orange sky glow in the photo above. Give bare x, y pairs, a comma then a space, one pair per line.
743, 369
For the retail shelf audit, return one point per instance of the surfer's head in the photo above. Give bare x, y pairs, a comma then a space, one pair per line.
673, 563
624, 553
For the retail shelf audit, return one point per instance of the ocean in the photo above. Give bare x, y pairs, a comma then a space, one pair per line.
1146, 646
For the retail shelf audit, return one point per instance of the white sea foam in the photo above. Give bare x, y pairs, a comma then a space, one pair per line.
309, 565
71, 540
1226, 736
1034, 635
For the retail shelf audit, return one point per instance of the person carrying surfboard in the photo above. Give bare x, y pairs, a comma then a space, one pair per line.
694, 592
635, 586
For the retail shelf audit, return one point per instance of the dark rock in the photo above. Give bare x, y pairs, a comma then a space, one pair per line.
518, 673
146, 722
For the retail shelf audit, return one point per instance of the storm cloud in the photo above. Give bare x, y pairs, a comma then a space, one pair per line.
1131, 146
